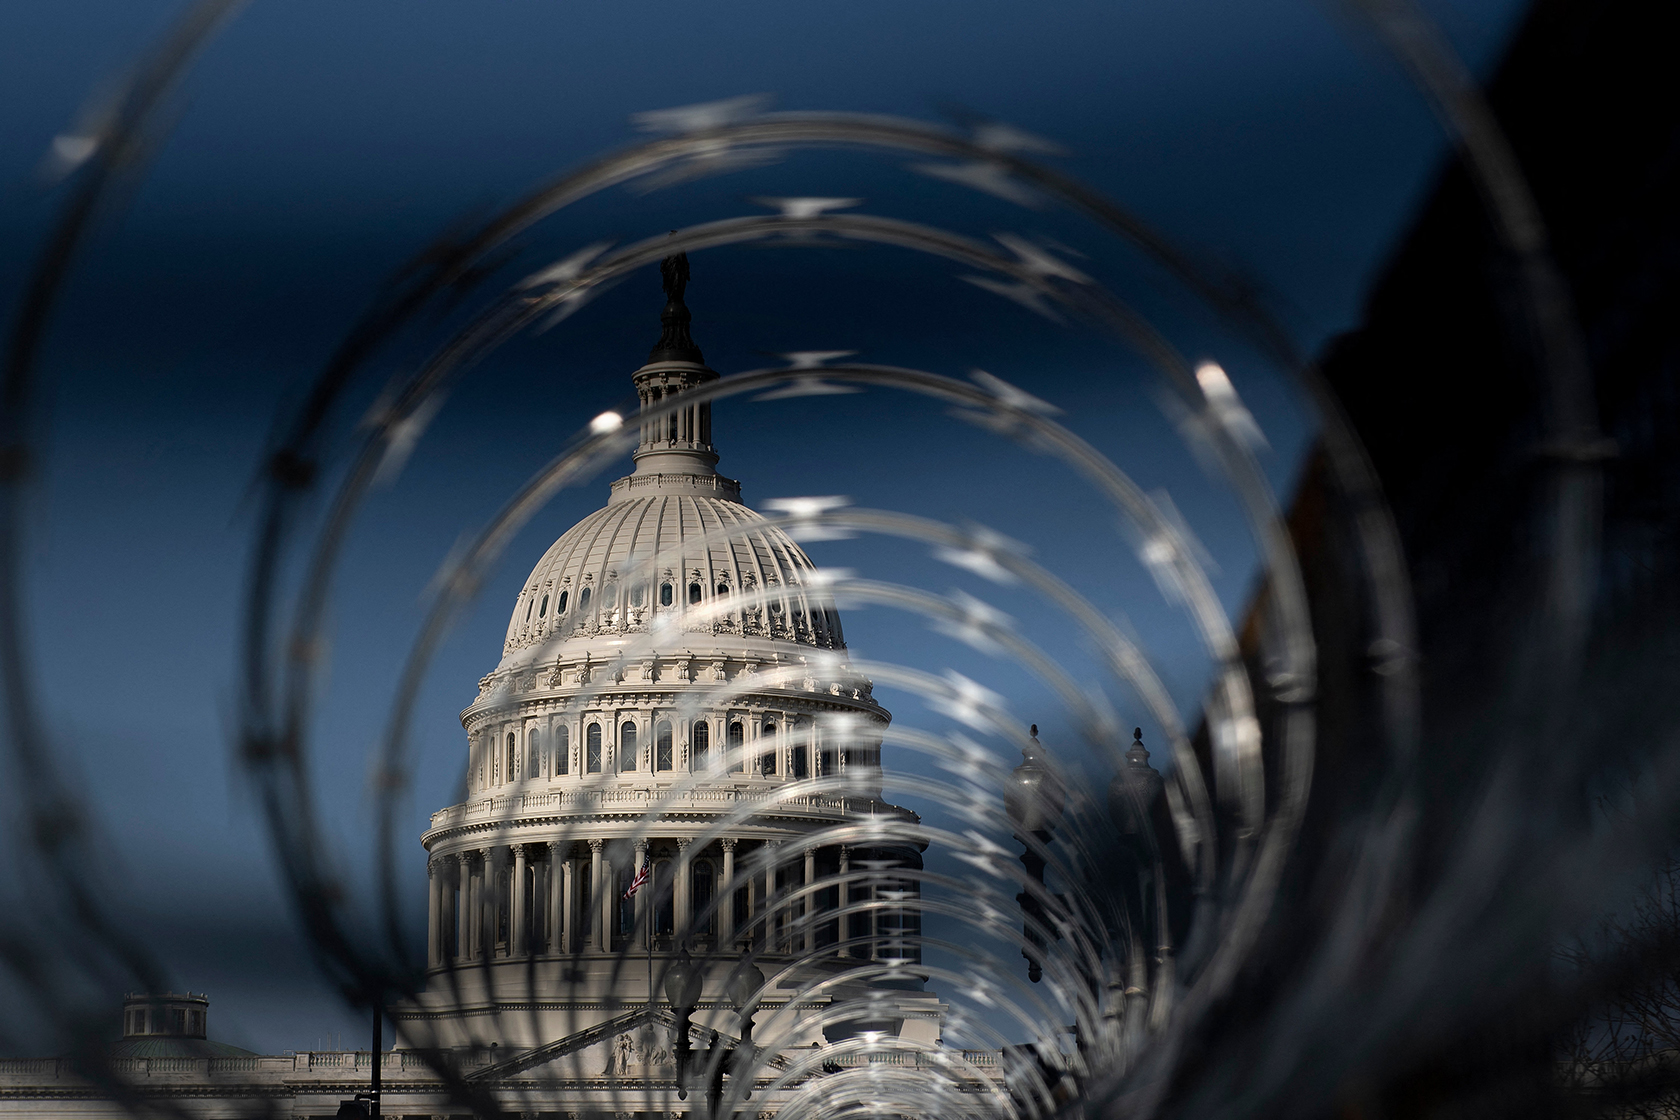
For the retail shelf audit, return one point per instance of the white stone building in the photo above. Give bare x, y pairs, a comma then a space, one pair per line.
673, 697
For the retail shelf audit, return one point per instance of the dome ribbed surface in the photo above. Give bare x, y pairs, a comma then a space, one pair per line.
633, 555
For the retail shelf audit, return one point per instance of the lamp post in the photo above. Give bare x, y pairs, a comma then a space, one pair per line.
743, 987
1132, 793
682, 987
1033, 802
1131, 804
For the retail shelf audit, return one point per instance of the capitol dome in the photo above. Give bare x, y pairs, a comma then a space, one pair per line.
663, 546
673, 696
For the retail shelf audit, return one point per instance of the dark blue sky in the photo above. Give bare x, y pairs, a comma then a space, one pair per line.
316, 145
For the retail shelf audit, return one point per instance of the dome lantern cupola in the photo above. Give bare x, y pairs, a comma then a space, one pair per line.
675, 451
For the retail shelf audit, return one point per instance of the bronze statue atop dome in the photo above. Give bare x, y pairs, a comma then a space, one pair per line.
673, 271
674, 343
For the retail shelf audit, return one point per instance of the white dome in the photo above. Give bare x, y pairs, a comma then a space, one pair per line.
618, 569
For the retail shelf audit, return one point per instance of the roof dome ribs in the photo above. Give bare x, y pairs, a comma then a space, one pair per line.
674, 519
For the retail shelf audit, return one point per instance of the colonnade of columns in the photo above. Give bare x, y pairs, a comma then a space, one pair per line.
549, 898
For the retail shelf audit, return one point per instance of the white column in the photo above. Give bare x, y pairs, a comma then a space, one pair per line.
434, 914
808, 908
487, 909
570, 942
556, 898
843, 929
682, 905
874, 919
770, 939
463, 908
517, 941
597, 900
754, 885
726, 897
641, 901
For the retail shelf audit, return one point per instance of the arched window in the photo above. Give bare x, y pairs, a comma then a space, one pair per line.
528, 607
737, 737
583, 600
609, 595
663, 918
702, 886
722, 590
592, 747
767, 760
512, 770
701, 744
562, 749
694, 593
662, 746
673, 425
542, 611
801, 764
533, 759
627, 746
664, 594
560, 607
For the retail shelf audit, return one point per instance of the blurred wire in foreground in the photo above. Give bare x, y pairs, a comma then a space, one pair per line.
1399, 863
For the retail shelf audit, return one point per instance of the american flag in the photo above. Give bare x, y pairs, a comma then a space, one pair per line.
641, 877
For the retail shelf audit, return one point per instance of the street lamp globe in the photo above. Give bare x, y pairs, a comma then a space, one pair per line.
1034, 797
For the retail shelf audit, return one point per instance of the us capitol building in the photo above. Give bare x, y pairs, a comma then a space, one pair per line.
671, 668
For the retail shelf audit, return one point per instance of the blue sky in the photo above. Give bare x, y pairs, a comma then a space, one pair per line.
316, 145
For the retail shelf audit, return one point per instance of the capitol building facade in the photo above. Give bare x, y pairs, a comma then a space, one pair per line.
672, 781
673, 707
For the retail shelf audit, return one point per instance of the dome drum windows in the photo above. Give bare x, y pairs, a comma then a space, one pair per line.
665, 594
693, 593
560, 607
583, 599
542, 611
511, 770
767, 760
662, 752
737, 745
592, 748
562, 750
627, 747
533, 756
800, 758
700, 747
